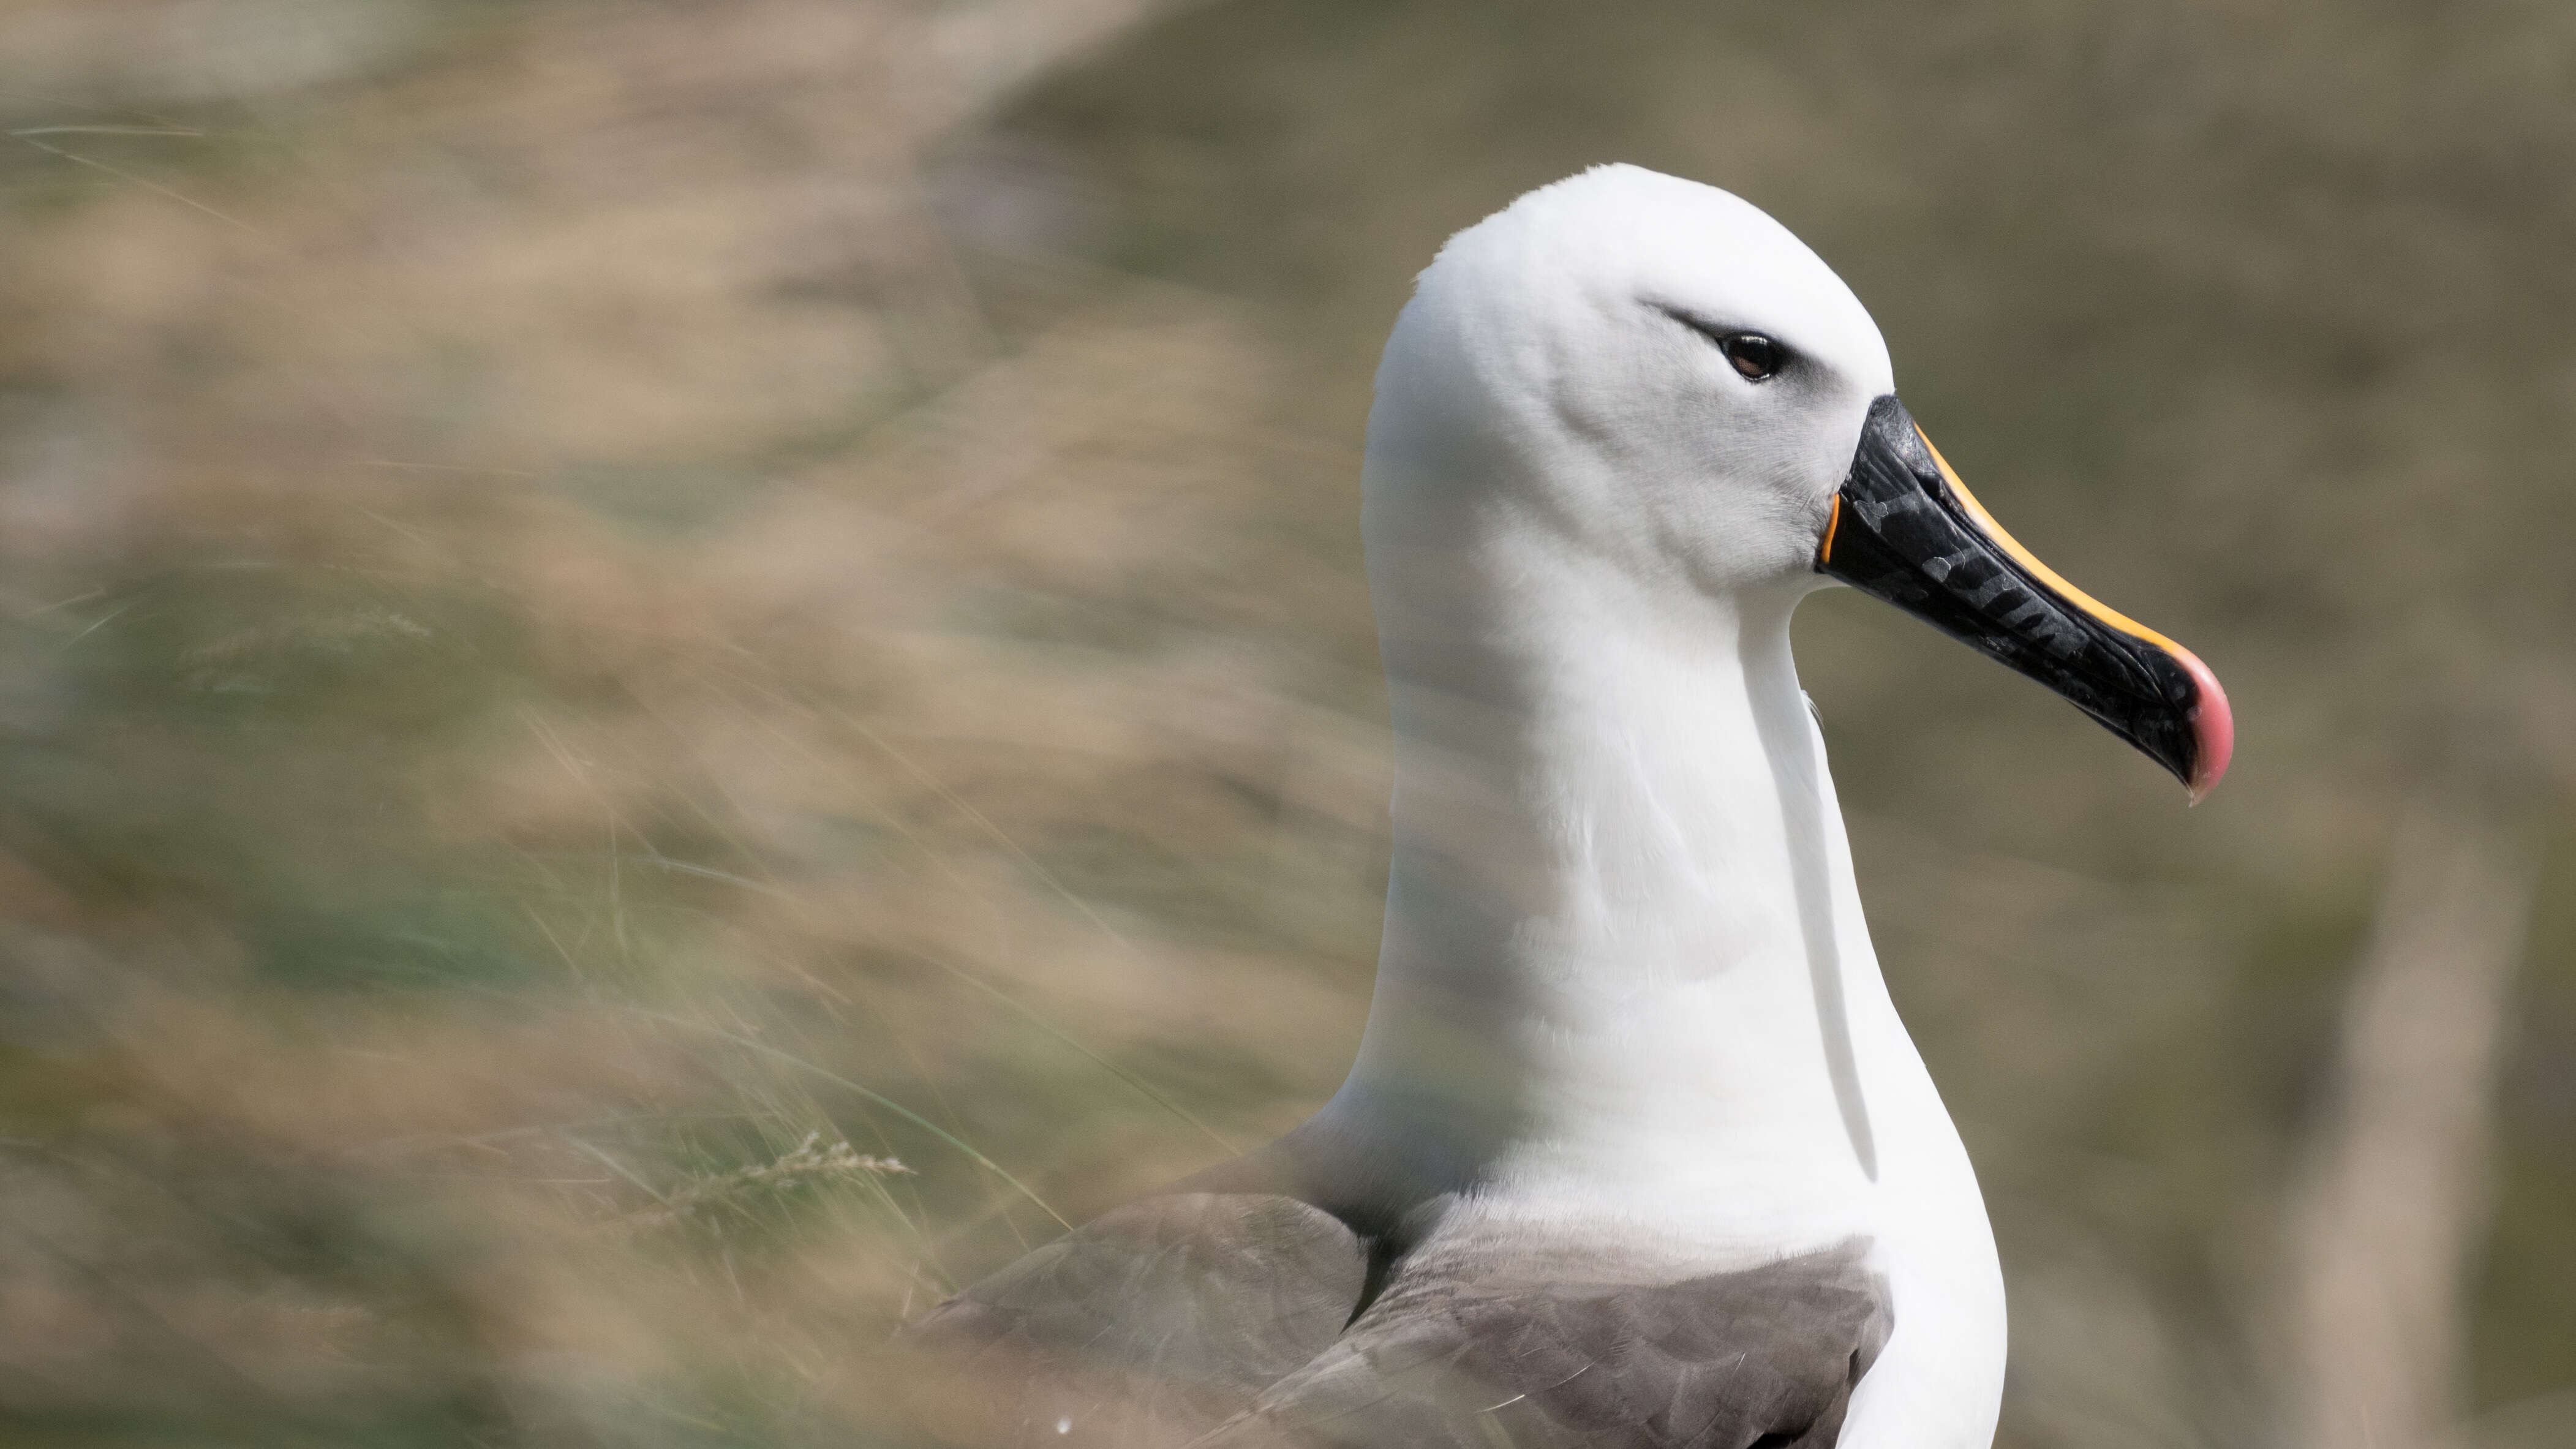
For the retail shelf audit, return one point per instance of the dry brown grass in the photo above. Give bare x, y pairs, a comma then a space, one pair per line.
573, 695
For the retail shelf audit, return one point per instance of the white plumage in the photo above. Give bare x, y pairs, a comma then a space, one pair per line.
1621, 890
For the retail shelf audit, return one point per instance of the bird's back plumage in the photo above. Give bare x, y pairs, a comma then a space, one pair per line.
1254, 1321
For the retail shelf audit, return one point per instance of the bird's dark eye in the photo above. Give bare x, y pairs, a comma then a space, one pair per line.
1753, 354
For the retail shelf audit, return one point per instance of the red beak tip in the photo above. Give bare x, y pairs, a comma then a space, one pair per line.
2213, 728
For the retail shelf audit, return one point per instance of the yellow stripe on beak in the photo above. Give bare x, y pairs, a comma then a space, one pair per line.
2049, 576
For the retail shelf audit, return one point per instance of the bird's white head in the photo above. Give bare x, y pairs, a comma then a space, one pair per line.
1649, 384
1651, 366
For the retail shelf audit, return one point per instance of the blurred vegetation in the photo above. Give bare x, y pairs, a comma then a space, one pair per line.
672, 672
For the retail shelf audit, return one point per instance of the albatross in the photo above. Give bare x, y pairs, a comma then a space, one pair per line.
1636, 1153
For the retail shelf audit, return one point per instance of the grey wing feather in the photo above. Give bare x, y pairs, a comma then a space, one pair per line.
1151, 1324
1764, 1356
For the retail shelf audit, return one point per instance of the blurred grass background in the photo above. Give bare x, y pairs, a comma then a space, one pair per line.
672, 672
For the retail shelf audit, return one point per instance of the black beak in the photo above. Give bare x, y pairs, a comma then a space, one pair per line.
1906, 529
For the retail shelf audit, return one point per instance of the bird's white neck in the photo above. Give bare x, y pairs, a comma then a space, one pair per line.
1622, 935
